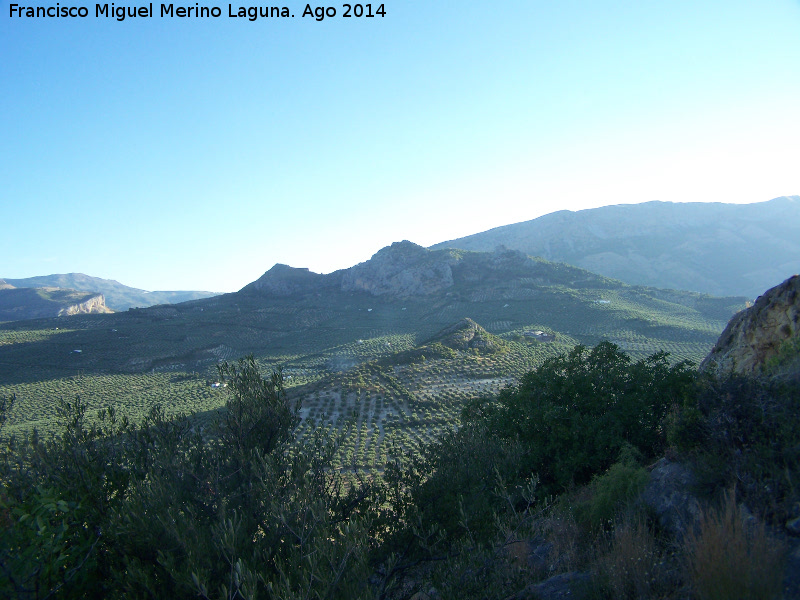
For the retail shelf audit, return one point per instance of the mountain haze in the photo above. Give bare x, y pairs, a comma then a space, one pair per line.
118, 296
714, 248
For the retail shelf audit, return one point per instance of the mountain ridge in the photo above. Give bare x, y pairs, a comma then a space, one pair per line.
20, 303
117, 296
405, 269
715, 248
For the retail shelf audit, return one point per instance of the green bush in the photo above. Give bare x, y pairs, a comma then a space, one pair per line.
161, 509
610, 492
576, 412
564, 424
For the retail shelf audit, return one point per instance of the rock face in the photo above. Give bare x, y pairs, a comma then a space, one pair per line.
402, 269
405, 269
762, 339
95, 304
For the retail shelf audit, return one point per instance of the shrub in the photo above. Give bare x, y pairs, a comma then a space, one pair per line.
610, 492
744, 431
576, 412
565, 423
163, 510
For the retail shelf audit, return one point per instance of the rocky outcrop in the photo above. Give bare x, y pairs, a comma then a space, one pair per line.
763, 337
402, 269
467, 335
93, 305
669, 494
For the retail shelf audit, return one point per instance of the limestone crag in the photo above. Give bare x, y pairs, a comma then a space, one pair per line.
93, 305
758, 338
670, 495
402, 269
405, 269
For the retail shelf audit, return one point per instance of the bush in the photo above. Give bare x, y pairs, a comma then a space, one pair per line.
743, 431
610, 492
575, 413
163, 510
564, 424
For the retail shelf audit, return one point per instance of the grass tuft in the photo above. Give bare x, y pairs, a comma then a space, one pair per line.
733, 556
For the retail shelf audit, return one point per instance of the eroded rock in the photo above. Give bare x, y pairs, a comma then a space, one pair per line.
669, 494
763, 337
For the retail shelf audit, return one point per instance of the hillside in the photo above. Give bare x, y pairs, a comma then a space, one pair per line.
591, 476
714, 248
377, 331
118, 297
46, 302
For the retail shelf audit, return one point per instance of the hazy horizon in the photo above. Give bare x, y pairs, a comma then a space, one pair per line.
388, 243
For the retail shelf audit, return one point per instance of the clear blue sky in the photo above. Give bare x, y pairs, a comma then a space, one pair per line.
196, 153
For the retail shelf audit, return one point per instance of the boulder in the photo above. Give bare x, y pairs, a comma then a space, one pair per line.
669, 495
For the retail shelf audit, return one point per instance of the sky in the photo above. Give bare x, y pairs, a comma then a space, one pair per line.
195, 153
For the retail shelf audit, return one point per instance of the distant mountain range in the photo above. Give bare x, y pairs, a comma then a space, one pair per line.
44, 302
118, 297
715, 248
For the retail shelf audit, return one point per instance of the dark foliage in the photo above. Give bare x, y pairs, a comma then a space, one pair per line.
161, 509
243, 509
565, 423
743, 432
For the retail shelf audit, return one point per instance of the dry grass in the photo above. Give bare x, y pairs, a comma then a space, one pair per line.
570, 541
733, 556
632, 566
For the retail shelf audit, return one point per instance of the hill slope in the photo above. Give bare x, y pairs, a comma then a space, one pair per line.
715, 248
38, 303
118, 297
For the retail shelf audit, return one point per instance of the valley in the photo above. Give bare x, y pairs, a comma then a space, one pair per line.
387, 352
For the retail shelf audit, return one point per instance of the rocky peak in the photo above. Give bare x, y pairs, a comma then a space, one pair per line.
762, 339
283, 280
402, 269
